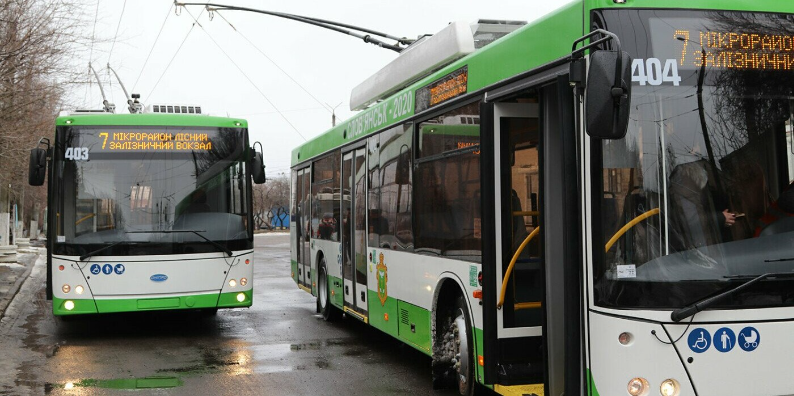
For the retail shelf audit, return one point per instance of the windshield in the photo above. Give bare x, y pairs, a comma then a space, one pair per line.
126, 185
706, 167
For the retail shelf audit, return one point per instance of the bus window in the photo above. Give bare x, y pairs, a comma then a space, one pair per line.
448, 187
391, 219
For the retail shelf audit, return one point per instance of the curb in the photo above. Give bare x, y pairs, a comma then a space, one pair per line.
5, 301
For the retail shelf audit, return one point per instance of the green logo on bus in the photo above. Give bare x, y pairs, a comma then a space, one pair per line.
382, 274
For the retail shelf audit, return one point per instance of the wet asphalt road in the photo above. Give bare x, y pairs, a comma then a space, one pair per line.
280, 346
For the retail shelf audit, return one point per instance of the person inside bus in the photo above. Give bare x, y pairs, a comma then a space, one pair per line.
776, 219
698, 214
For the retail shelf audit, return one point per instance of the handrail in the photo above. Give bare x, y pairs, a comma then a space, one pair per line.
85, 218
630, 224
513, 263
526, 213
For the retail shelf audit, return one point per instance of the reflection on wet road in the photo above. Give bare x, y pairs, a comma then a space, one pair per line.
280, 346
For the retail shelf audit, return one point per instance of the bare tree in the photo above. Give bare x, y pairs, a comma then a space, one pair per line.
39, 40
271, 200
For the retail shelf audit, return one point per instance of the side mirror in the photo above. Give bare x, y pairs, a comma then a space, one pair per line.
37, 169
607, 102
258, 169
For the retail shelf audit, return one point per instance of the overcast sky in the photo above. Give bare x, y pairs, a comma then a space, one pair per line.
282, 76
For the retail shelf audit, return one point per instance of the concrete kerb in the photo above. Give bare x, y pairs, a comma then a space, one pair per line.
29, 262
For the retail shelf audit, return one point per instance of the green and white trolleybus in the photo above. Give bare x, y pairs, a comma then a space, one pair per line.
599, 202
148, 211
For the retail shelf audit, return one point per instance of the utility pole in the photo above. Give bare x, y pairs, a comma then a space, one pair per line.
333, 113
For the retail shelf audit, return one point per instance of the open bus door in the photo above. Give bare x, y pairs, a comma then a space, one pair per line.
532, 338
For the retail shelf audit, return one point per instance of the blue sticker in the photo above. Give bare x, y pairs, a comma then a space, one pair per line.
699, 340
158, 278
749, 339
724, 339
96, 269
107, 269
119, 268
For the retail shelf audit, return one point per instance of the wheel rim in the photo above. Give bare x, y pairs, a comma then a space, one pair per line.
462, 357
322, 289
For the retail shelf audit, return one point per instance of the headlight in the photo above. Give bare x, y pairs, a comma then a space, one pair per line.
79, 289
66, 288
241, 297
232, 283
69, 305
243, 281
638, 386
669, 387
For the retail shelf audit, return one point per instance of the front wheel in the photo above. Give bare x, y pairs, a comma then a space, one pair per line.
454, 357
327, 309
463, 367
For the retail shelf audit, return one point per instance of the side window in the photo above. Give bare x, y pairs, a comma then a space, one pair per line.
323, 220
447, 212
394, 224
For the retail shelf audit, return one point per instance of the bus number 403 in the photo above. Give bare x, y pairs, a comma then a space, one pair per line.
76, 153
650, 71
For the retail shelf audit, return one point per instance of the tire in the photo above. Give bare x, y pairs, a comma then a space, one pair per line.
329, 312
463, 369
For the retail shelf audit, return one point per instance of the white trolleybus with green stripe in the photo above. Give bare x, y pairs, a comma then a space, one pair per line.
597, 202
148, 211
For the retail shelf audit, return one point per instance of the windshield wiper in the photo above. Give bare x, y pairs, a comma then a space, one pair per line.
692, 309
216, 244
93, 252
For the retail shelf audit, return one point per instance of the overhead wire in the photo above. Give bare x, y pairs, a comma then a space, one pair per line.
167, 14
123, 7
175, 54
91, 52
246, 76
325, 106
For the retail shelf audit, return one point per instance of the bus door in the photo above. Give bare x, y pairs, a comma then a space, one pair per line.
531, 296
354, 262
519, 275
304, 224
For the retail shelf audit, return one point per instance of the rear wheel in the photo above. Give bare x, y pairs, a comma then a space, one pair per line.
327, 309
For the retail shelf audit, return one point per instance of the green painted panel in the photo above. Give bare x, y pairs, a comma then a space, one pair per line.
337, 297
148, 304
294, 270
229, 300
158, 303
414, 326
80, 307
150, 119
383, 316
224, 300
591, 388
738, 5
478, 341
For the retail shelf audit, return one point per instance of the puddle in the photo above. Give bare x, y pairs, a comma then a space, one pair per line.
123, 383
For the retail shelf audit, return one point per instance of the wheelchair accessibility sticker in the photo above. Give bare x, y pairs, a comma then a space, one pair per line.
699, 340
749, 339
96, 269
724, 339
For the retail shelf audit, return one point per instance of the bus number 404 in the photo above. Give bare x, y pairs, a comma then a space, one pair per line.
650, 71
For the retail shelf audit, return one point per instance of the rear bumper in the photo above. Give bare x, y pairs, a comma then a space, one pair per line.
199, 301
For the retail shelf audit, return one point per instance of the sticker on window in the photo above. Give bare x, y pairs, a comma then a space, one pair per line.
627, 271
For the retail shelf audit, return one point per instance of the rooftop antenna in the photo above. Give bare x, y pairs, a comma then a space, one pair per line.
108, 107
134, 106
